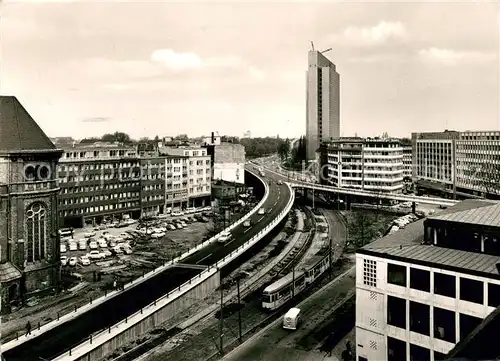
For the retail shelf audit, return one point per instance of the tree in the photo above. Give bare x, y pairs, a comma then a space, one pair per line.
362, 229
284, 150
485, 177
119, 137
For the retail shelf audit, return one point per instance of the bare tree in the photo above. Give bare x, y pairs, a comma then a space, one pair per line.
485, 177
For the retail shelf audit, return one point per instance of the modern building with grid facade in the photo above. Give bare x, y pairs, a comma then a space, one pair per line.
423, 289
457, 164
322, 102
371, 164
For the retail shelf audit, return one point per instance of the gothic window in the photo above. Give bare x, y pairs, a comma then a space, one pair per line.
36, 232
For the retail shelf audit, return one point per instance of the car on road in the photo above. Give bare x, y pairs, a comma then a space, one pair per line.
262, 211
224, 237
247, 223
84, 260
72, 261
64, 260
63, 248
95, 255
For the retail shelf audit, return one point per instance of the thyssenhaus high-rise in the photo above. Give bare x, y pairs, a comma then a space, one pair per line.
322, 102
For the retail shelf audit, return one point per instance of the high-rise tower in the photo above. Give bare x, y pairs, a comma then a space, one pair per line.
322, 102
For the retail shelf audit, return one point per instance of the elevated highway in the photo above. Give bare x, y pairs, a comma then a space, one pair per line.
362, 193
64, 336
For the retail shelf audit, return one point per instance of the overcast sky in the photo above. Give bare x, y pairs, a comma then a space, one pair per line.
148, 68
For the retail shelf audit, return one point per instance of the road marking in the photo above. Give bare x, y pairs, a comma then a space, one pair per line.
204, 258
275, 203
260, 219
246, 230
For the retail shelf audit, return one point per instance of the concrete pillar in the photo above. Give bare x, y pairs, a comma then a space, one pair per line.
482, 243
434, 235
413, 207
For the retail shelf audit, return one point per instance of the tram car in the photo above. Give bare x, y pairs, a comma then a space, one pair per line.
278, 293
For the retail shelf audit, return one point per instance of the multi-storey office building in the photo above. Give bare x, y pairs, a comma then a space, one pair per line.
457, 164
423, 289
322, 102
371, 164
98, 183
407, 161
477, 160
153, 185
199, 177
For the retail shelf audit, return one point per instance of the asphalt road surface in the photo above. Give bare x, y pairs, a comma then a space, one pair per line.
278, 344
61, 338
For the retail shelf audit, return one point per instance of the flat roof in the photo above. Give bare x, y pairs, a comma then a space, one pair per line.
481, 212
406, 245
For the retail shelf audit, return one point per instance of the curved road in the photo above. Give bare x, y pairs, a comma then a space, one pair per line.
59, 339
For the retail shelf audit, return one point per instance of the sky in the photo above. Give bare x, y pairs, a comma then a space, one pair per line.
82, 69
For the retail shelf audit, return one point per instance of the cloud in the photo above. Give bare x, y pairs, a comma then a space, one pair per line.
95, 120
102, 68
380, 34
191, 61
452, 57
256, 73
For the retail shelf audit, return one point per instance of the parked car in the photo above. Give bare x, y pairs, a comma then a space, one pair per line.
73, 246
84, 260
82, 245
183, 224
89, 234
179, 225
158, 235
102, 243
177, 213
171, 227
95, 255
204, 219
127, 250
117, 250
93, 245
63, 248
64, 260
106, 252
72, 261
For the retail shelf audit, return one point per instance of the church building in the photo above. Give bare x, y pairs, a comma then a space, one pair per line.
29, 242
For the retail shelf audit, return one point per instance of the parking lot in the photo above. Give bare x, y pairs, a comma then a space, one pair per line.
126, 250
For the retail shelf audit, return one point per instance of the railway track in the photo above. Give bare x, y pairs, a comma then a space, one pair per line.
250, 296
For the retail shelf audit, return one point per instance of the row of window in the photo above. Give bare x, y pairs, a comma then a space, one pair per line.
98, 198
106, 207
92, 188
444, 285
444, 321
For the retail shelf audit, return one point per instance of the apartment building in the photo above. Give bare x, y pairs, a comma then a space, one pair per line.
373, 164
425, 288
98, 182
199, 177
407, 161
153, 185
457, 164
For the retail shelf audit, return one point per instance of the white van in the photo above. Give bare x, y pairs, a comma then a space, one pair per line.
291, 319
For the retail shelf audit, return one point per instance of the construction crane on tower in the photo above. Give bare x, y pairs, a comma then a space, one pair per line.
322, 52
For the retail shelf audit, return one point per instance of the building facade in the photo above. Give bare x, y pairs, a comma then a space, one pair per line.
153, 185
29, 242
322, 102
457, 164
424, 288
199, 176
98, 183
407, 161
370, 164
228, 162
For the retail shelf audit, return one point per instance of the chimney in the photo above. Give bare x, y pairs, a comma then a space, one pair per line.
213, 138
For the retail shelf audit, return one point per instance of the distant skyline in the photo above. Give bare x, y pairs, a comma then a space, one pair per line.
83, 69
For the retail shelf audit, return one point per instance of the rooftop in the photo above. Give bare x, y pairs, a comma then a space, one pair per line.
407, 245
18, 130
485, 213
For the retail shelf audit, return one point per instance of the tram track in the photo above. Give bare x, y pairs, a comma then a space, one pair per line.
250, 296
